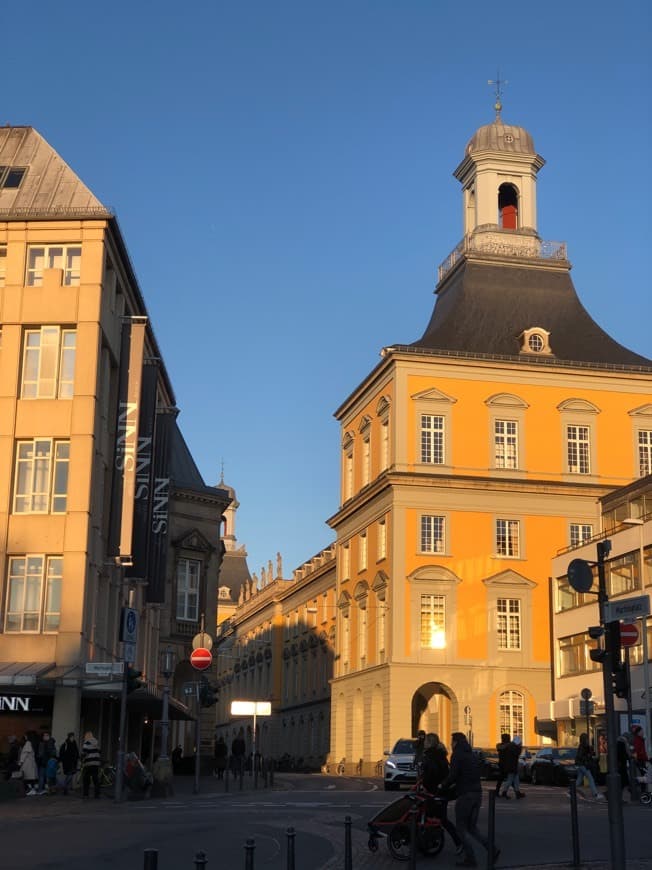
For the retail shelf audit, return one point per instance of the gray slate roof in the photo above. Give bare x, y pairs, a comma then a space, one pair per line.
50, 187
483, 308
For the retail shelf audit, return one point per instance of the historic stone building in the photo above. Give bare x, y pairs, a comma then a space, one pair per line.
468, 458
101, 505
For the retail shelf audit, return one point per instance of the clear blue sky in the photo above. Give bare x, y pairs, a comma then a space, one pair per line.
281, 172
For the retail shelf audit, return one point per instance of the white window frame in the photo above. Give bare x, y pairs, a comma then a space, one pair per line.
508, 624
41, 474
346, 560
363, 632
578, 448
362, 551
432, 429
578, 533
381, 540
346, 637
644, 452
381, 630
69, 257
511, 712
185, 611
41, 579
508, 538
49, 354
432, 533
505, 443
366, 457
432, 620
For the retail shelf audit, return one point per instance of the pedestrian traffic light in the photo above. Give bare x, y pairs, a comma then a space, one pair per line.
134, 680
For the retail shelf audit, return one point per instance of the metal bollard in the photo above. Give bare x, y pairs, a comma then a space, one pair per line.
291, 837
575, 830
414, 812
250, 847
491, 830
200, 860
150, 859
348, 852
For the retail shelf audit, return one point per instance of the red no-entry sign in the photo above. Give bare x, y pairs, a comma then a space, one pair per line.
628, 633
201, 658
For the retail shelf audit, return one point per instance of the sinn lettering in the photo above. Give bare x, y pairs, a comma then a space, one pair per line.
160, 505
125, 449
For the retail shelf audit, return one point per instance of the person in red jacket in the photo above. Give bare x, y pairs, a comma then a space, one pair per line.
638, 746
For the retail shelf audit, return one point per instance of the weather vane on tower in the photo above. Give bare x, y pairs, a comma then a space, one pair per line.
499, 85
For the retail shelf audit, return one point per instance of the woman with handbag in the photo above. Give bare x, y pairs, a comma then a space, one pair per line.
28, 767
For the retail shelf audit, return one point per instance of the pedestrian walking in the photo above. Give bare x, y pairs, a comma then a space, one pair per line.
90, 764
502, 749
69, 758
28, 767
47, 749
585, 763
238, 750
220, 754
435, 769
465, 775
13, 757
419, 749
510, 752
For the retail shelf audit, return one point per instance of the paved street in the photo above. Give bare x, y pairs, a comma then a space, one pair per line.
49, 833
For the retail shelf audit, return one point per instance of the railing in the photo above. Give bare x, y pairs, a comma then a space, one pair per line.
500, 245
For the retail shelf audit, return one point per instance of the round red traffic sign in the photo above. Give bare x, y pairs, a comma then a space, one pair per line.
201, 658
628, 633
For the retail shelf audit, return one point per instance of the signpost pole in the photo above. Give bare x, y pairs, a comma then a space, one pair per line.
646, 687
120, 762
195, 789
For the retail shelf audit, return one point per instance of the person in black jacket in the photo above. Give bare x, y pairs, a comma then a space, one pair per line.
434, 771
69, 758
465, 775
508, 755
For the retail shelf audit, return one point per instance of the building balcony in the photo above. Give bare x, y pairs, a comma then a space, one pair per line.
503, 244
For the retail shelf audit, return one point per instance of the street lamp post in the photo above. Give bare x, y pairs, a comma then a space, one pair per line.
162, 769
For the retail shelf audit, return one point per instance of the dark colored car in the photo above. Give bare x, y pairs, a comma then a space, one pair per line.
488, 760
525, 760
552, 766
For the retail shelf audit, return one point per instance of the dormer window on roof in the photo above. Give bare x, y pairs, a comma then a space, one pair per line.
535, 341
11, 177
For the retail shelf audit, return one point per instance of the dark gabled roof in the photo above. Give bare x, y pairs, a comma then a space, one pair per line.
184, 473
483, 308
234, 572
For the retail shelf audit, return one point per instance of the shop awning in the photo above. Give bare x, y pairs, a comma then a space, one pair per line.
23, 673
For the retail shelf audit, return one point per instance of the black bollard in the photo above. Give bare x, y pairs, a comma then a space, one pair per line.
414, 812
150, 859
291, 836
575, 829
491, 830
200, 860
348, 852
250, 847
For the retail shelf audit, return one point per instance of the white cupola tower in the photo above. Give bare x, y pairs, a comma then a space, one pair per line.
499, 182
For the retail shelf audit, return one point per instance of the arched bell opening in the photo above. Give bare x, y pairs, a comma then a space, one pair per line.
507, 207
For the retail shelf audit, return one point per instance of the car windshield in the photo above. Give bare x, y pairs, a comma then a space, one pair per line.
565, 754
403, 747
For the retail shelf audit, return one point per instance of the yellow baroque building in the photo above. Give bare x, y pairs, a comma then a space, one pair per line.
468, 458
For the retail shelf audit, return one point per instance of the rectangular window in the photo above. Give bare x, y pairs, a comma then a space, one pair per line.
34, 593
505, 444
384, 445
64, 257
48, 363
507, 538
432, 439
508, 612
579, 533
578, 446
644, 445
382, 540
41, 476
188, 574
432, 534
366, 460
3, 265
346, 561
346, 640
362, 552
381, 610
348, 475
433, 622
362, 635
574, 655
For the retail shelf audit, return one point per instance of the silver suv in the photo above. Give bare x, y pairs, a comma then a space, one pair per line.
399, 765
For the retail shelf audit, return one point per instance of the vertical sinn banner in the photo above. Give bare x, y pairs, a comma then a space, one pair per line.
126, 439
160, 510
144, 472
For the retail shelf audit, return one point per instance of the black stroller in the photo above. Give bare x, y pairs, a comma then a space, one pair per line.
394, 823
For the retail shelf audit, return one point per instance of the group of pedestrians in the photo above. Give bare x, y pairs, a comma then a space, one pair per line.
509, 752
35, 761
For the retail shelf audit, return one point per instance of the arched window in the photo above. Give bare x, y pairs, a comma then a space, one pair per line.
511, 713
507, 207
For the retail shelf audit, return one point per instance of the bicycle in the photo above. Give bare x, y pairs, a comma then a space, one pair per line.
105, 777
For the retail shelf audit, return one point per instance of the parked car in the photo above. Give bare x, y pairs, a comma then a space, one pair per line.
552, 766
488, 760
525, 760
400, 768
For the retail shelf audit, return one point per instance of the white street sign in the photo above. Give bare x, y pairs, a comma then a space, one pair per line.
104, 669
628, 608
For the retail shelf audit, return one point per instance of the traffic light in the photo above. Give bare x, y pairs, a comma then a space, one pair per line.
208, 695
134, 680
613, 644
619, 683
598, 653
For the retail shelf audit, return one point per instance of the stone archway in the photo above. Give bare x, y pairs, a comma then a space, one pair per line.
433, 707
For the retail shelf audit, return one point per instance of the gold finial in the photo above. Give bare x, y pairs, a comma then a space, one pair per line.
499, 84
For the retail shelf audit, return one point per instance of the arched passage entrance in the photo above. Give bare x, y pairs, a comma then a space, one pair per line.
433, 708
